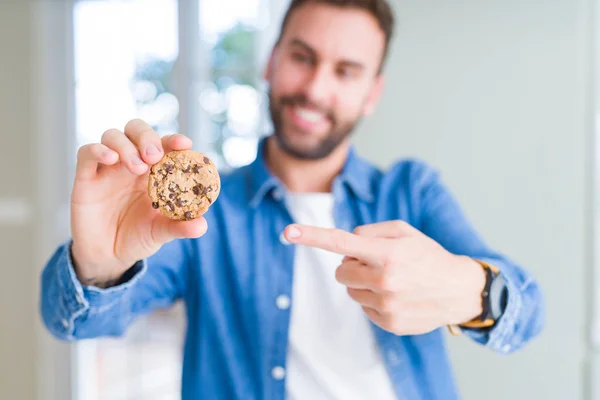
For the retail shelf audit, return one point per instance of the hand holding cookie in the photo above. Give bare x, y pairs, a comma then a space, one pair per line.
113, 221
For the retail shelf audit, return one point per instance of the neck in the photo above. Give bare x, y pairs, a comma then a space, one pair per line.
300, 175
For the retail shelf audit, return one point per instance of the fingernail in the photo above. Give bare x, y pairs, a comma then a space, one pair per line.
293, 233
135, 160
152, 150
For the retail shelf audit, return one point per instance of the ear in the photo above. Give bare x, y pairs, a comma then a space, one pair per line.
374, 96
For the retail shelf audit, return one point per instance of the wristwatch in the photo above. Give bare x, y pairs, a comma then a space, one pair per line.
493, 301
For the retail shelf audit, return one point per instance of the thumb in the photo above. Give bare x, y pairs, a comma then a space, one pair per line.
164, 229
387, 229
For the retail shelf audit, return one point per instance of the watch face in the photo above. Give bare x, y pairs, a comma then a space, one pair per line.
498, 296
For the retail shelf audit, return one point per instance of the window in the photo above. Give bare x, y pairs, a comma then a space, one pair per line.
124, 55
231, 99
198, 74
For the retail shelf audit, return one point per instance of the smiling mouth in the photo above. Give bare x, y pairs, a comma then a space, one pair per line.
307, 118
311, 116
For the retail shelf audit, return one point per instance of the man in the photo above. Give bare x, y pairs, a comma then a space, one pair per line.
314, 275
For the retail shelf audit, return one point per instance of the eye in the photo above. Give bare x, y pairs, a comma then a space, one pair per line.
301, 58
346, 73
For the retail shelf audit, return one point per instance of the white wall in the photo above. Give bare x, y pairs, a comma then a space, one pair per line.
496, 94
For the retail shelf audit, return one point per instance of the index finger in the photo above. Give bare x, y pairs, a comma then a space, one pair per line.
367, 249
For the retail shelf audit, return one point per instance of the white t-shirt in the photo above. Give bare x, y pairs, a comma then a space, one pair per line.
332, 350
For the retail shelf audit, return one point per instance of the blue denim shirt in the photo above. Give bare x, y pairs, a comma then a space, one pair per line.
231, 277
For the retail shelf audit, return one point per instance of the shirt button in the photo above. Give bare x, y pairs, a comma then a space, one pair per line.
283, 240
278, 194
65, 323
278, 373
393, 358
283, 302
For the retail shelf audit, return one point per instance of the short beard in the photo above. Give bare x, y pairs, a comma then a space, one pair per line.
335, 137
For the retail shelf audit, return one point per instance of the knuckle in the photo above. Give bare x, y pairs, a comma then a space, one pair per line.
134, 124
405, 227
400, 225
388, 323
91, 150
358, 230
396, 327
392, 322
138, 129
82, 151
110, 134
351, 292
387, 267
388, 262
383, 282
387, 304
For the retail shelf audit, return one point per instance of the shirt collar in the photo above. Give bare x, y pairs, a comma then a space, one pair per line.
357, 174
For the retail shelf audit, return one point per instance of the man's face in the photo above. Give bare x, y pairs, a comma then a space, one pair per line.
323, 77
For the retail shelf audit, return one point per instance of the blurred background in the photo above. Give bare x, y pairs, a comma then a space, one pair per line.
498, 95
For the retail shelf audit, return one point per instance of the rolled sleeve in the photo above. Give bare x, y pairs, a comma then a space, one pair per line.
65, 300
522, 318
442, 219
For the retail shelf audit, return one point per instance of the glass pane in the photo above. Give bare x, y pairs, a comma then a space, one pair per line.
233, 99
124, 56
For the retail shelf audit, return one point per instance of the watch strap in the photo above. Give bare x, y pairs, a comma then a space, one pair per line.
485, 319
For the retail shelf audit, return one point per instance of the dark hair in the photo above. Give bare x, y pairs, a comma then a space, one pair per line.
379, 9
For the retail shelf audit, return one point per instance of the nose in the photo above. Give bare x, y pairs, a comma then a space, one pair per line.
318, 88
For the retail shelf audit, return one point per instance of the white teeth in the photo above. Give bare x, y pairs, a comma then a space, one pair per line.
309, 115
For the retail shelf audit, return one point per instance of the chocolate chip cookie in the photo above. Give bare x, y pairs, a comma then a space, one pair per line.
184, 184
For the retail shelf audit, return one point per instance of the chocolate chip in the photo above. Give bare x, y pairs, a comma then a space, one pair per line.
197, 190
172, 195
170, 206
173, 187
169, 168
187, 170
208, 189
206, 160
155, 205
209, 200
196, 169
188, 215
155, 183
180, 203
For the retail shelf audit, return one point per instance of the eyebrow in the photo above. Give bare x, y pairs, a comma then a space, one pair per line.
347, 63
